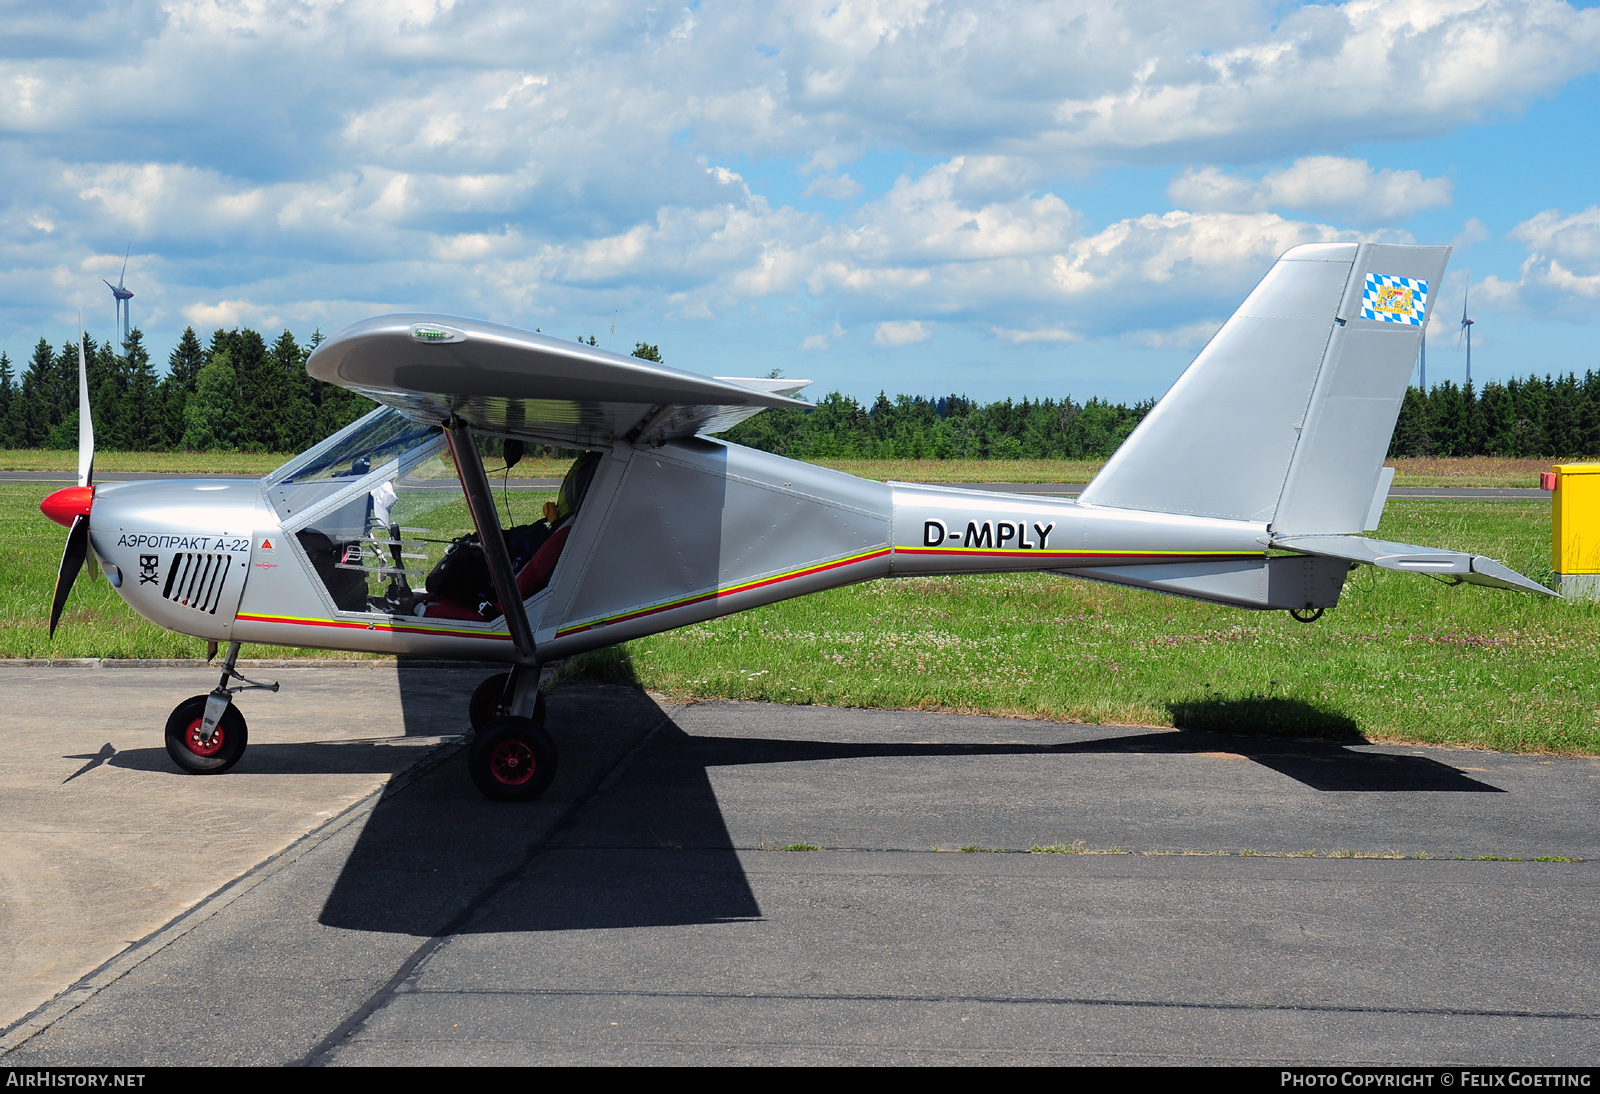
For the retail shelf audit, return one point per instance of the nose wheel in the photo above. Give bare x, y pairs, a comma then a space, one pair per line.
206, 734
188, 745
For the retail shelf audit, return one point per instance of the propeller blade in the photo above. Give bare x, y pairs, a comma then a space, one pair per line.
85, 421
71, 562
123, 275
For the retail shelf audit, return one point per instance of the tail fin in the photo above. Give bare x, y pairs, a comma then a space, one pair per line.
1285, 416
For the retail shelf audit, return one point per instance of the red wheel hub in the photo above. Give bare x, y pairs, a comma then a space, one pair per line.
512, 763
197, 744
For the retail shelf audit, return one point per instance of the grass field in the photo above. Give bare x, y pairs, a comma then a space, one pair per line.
1401, 658
1474, 471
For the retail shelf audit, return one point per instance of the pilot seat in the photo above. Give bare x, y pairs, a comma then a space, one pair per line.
463, 574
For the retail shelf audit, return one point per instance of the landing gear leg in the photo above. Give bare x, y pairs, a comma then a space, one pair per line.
497, 695
206, 734
511, 757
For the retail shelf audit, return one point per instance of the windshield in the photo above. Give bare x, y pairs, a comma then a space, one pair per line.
369, 443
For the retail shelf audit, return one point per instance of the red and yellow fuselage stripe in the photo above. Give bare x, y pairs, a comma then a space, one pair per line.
1077, 556
374, 625
719, 593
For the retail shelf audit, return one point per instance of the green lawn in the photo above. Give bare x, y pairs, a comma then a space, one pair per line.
1401, 658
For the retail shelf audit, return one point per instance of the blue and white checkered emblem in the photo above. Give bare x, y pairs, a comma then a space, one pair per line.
1395, 299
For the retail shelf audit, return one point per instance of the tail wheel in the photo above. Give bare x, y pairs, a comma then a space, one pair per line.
486, 704
512, 759
197, 756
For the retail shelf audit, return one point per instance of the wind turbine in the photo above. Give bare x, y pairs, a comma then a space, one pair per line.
1466, 329
121, 296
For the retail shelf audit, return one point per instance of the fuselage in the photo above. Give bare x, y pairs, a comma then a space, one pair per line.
666, 537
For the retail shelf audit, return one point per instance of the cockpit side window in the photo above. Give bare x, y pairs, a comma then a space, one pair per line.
373, 545
383, 441
397, 538
460, 587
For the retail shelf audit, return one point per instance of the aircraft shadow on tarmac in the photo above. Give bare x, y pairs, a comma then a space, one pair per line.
371, 757
425, 851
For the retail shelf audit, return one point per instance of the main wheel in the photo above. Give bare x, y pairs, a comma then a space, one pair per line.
512, 759
198, 757
486, 704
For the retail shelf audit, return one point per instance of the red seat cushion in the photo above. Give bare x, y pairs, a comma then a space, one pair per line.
536, 574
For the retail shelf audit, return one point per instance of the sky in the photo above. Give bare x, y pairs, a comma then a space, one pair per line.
1003, 199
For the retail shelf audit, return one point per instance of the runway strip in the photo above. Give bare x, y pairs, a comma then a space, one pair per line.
646, 912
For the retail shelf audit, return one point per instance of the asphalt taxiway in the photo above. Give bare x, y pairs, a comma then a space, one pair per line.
743, 882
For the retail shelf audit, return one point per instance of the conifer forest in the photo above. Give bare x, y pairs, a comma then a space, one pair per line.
240, 393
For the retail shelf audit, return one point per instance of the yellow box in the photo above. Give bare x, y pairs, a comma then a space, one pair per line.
1575, 519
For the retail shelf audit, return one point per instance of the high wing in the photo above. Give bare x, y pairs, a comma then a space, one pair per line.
510, 381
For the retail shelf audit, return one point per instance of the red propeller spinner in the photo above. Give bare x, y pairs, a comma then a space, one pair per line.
63, 505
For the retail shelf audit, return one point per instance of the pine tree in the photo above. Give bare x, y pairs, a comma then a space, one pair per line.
1564, 418
1447, 420
1589, 415
63, 383
186, 360
30, 422
259, 395
108, 388
209, 417
1499, 417
296, 420
1411, 432
183, 365
8, 392
141, 428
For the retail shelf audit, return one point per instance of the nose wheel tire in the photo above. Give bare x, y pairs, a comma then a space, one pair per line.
512, 759
486, 705
200, 757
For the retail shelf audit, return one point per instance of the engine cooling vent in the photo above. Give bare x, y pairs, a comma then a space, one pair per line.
196, 580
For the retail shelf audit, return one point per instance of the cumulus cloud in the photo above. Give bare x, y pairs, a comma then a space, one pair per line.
1473, 231
1025, 337
1187, 336
316, 162
1561, 274
837, 187
1322, 185
906, 333
823, 341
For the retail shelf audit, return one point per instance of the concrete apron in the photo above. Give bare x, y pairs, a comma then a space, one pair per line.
102, 840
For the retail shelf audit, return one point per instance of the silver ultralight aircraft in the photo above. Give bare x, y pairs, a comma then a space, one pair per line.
1248, 484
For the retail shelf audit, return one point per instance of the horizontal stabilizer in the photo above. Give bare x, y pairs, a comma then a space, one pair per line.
1406, 557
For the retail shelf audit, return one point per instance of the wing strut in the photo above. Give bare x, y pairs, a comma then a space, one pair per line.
487, 520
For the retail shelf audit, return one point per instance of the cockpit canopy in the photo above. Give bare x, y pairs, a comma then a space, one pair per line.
379, 513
